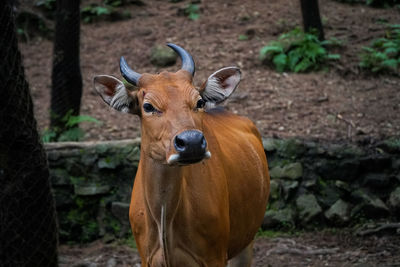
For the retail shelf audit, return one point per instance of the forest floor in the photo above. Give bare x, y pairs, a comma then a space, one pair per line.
326, 248
341, 103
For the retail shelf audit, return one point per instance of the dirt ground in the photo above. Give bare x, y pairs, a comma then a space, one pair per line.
338, 104
336, 249
281, 105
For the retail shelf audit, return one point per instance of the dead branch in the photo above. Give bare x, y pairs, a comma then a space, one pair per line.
281, 240
379, 228
283, 249
350, 125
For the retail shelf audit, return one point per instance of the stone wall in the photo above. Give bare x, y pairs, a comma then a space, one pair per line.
92, 183
312, 184
316, 184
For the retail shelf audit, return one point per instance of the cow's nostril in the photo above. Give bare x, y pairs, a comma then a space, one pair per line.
179, 143
203, 143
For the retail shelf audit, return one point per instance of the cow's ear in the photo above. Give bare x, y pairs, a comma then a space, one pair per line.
115, 94
220, 85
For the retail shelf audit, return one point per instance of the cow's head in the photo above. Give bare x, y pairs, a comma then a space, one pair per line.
170, 107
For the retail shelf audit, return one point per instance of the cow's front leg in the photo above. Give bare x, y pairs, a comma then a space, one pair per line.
244, 258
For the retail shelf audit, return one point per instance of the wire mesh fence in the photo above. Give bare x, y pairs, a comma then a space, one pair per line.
28, 229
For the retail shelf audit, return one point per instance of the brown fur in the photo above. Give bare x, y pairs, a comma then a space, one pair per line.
201, 214
213, 208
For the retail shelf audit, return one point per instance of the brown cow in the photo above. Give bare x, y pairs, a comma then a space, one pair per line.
202, 184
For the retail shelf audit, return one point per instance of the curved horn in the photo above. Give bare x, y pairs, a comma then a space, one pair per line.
187, 60
129, 75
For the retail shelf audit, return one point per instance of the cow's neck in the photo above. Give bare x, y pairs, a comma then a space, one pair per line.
162, 190
162, 186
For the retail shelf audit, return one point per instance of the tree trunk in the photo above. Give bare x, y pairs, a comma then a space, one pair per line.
311, 17
66, 77
28, 228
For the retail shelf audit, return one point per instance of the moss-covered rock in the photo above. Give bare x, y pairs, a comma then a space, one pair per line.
339, 212
63, 197
394, 199
289, 171
269, 144
368, 205
59, 177
108, 163
391, 145
376, 180
85, 177
308, 208
90, 179
327, 193
91, 189
283, 218
275, 189
375, 163
289, 188
162, 56
345, 170
344, 151
291, 148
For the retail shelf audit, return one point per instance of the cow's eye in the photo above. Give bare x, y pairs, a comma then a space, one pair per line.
200, 104
147, 107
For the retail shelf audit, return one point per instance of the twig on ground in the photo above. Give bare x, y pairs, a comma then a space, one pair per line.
284, 249
350, 125
284, 240
379, 228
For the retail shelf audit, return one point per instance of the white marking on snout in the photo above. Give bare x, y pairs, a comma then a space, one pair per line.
173, 159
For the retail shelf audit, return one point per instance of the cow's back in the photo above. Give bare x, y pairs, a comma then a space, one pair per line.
237, 143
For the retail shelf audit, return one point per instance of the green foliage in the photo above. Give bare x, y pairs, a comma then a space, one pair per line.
21, 31
297, 51
384, 53
93, 11
71, 131
82, 219
113, 3
49, 5
30, 25
192, 11
393, 143
273, 234
107, 10
243, 37
73, 134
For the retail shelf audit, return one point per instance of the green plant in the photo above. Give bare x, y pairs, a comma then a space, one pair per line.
30, 25
393, 143
273, 233
113, 3
81, 220
192, 11
384, 53
70, 131
49, 5
297, 51
243, 37
93, 11
21, 32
